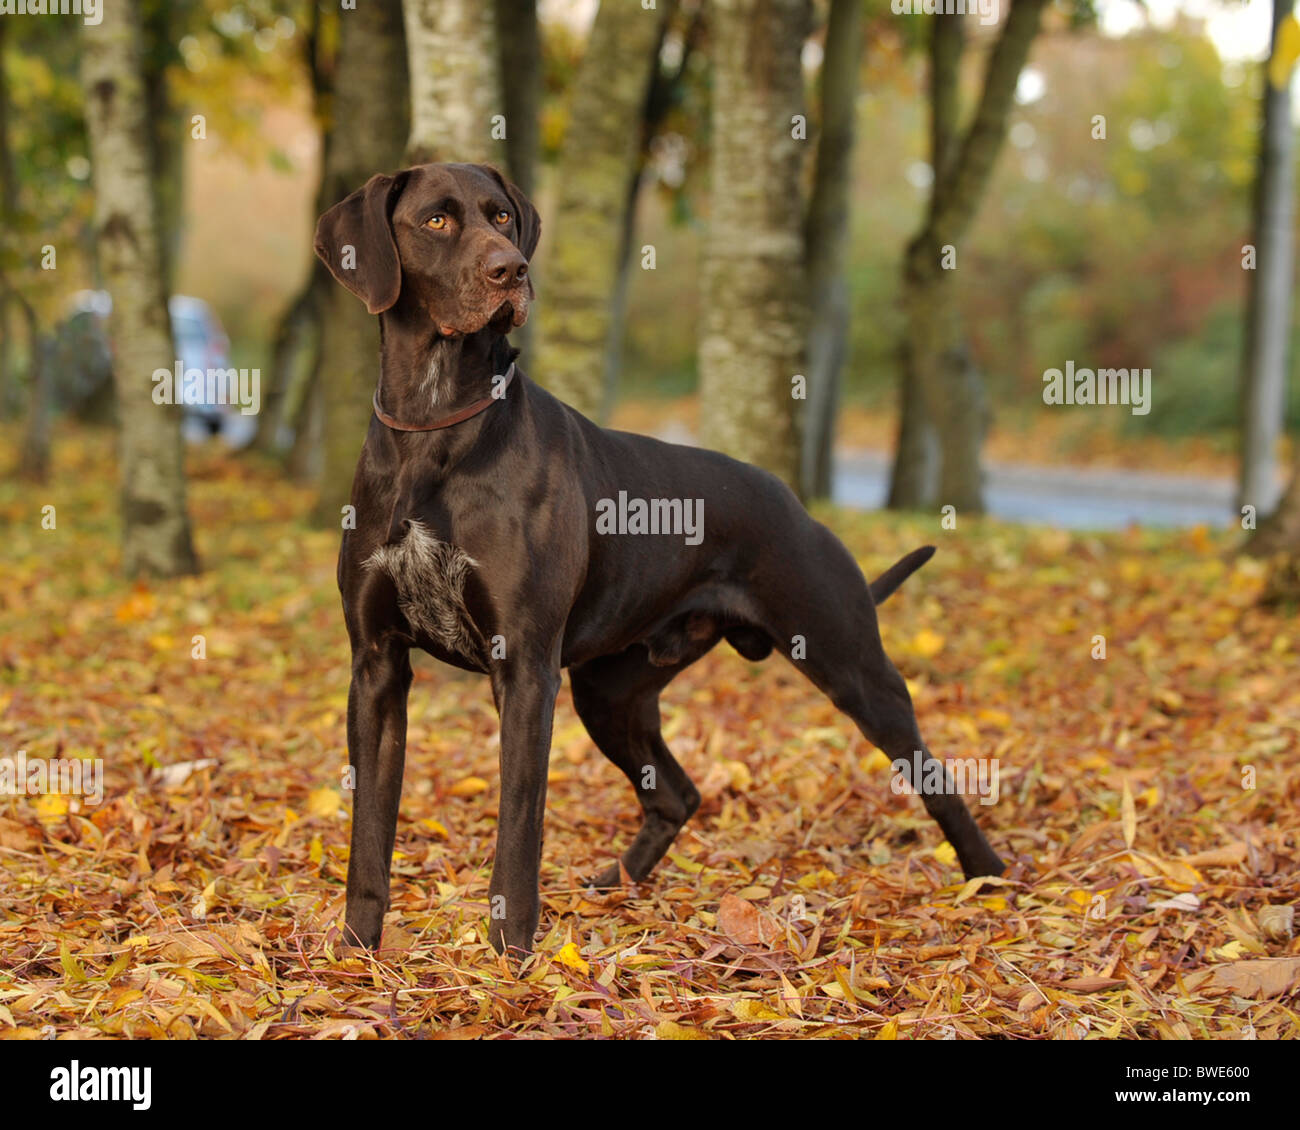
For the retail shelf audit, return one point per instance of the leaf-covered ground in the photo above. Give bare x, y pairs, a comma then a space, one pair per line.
1150, 891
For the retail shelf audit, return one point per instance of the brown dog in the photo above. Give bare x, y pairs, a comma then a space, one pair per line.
504, 533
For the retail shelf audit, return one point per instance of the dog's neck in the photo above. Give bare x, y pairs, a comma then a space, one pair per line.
425, 376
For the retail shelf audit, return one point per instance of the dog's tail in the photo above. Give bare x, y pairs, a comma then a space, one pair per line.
882, 588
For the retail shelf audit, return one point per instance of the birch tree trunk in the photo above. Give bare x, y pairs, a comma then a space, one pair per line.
369, 131
156, 528
597, 163
828, 242
754, 315
1268, 314
951, 392
455, 81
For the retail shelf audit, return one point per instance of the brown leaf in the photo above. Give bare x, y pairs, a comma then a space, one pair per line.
1259, 977
742, 922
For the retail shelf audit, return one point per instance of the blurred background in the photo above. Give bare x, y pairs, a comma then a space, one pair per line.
1109, 193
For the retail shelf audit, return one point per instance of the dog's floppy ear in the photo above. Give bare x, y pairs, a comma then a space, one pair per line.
529, 222
355, 241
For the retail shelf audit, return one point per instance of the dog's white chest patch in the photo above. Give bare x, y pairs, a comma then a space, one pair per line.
430, 578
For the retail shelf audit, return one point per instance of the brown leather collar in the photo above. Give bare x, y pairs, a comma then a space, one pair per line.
447, 421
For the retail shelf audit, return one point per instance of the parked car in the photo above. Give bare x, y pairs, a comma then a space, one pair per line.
83, 358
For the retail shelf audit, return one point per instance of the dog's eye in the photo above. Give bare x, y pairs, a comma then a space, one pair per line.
502, 217
436, 222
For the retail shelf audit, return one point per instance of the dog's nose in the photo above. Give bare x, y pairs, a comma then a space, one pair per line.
504, 266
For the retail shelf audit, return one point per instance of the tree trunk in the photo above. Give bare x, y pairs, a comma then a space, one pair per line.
1268, 315
34, 456
8, 206
455, 81
156, 535
827, 236
597, 162
915, 480
169, 131
664, 93
519, 48
370, 129
1278, 538
295, 344
952, 396
755, 322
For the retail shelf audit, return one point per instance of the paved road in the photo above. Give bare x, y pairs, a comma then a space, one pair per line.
1066, 497
1076, 498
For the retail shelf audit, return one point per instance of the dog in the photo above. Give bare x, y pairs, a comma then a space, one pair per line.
494, 530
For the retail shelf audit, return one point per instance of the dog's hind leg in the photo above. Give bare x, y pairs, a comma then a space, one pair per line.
880, 705
617, 698
825, 623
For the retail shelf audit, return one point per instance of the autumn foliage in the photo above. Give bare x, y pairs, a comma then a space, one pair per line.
1148, 803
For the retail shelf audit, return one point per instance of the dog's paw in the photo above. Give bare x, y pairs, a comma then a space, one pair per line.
613, 877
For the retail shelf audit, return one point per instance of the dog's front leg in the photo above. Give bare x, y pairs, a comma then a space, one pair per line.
381, 678
525, 693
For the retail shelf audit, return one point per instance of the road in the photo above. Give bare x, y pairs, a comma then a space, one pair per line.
1066, 497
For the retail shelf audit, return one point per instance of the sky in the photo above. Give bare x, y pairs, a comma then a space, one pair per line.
1238, 30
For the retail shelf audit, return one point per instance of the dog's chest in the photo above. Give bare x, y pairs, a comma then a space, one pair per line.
430, 576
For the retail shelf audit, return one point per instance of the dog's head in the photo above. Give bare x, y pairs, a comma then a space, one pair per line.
451, 240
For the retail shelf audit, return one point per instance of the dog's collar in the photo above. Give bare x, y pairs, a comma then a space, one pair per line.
447, 421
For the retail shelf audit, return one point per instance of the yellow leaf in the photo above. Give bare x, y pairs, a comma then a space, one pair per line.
741, 778
322, 802
72, 969
1128, 815
753, 1010
889, 1031
1286, 50
435, 827
945, 854
687, 865
317, 850
468, 786
874, 762
50, 807
927, 644
671, 1030
972, 886
1150, 796
570, 956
